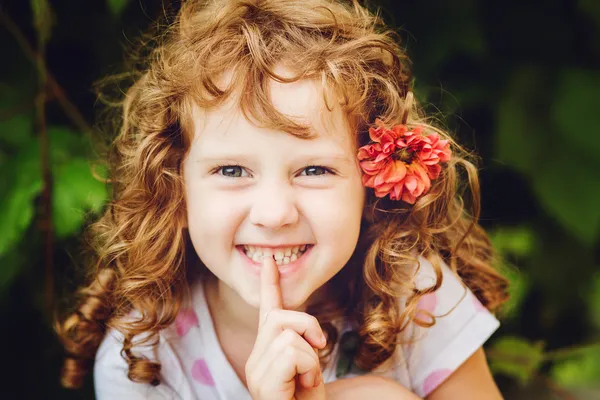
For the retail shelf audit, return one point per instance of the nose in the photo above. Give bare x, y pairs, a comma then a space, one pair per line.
273, 206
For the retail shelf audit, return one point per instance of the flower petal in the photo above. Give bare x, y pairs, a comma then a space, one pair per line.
399, 130
410, 183
407, 197
389, 176
434, 171
396, 194
396, 171
375, 134
371, 167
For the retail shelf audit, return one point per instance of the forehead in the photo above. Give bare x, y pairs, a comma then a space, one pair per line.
302, 101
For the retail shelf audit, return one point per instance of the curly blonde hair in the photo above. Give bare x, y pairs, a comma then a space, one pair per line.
140, 244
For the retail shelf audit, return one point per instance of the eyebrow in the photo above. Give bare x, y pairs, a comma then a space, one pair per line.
329, 158
245, 157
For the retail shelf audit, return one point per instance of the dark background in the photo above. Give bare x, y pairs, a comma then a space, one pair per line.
517, 82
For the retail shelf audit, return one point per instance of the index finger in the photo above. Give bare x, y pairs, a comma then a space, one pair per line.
270, 291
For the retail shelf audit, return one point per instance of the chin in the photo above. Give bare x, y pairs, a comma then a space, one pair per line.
293, 304
250, 296
297, 300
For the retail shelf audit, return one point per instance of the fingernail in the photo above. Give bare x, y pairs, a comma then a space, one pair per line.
323, 339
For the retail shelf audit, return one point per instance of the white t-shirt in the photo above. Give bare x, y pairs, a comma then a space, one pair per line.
195, 367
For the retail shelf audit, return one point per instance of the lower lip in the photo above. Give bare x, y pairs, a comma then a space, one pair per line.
284, 269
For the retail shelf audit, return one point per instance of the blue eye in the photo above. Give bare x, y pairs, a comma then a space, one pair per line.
315, 170
237, 171
230, 171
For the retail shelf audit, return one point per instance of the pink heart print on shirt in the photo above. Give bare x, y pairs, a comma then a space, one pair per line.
434, 379
477, 304
185, 320
427, 303
201, 374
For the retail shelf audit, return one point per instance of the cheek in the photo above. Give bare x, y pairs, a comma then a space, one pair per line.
212, 221
341, 207
335, 216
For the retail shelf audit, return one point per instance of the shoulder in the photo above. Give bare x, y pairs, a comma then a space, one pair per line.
111, 371
173, 349
462, 325
451, 291
111, 368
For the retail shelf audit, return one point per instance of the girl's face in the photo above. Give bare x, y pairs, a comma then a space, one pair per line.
250, 188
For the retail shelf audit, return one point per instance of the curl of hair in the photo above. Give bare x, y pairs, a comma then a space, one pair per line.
140, 242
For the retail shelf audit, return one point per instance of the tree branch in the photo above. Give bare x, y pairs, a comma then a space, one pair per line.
57, 91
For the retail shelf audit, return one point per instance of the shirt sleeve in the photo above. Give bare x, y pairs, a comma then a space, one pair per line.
462, 326
110, 375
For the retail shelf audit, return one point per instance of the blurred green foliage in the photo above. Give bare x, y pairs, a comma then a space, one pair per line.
518, 82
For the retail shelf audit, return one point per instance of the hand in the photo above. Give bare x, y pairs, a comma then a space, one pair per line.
284, 363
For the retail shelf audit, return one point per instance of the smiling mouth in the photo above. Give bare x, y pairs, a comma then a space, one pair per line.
283, 256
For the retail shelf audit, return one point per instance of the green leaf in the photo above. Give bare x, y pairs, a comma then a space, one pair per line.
518, 131
75, 193
515, 357
43, 19
16, 123
575, 110
513, 241
520, 284
517, 241
561, 173
117, 6
16, 202
66, 144
16, 131
594, 301
568, 187
582, 371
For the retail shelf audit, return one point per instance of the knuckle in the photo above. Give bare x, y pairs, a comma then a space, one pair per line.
288, 336
290, 353
284, 341
272, 315
268, 317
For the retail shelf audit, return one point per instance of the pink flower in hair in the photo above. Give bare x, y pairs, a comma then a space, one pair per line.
402, 161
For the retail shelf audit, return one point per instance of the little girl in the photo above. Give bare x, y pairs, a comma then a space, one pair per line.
285, 223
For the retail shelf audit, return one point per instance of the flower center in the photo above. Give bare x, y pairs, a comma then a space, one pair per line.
404, 155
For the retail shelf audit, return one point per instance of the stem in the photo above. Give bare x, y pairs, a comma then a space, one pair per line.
570, 351
46, 225
51, 85
556, 388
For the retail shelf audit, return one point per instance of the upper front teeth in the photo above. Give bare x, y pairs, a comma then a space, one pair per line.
282, 255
